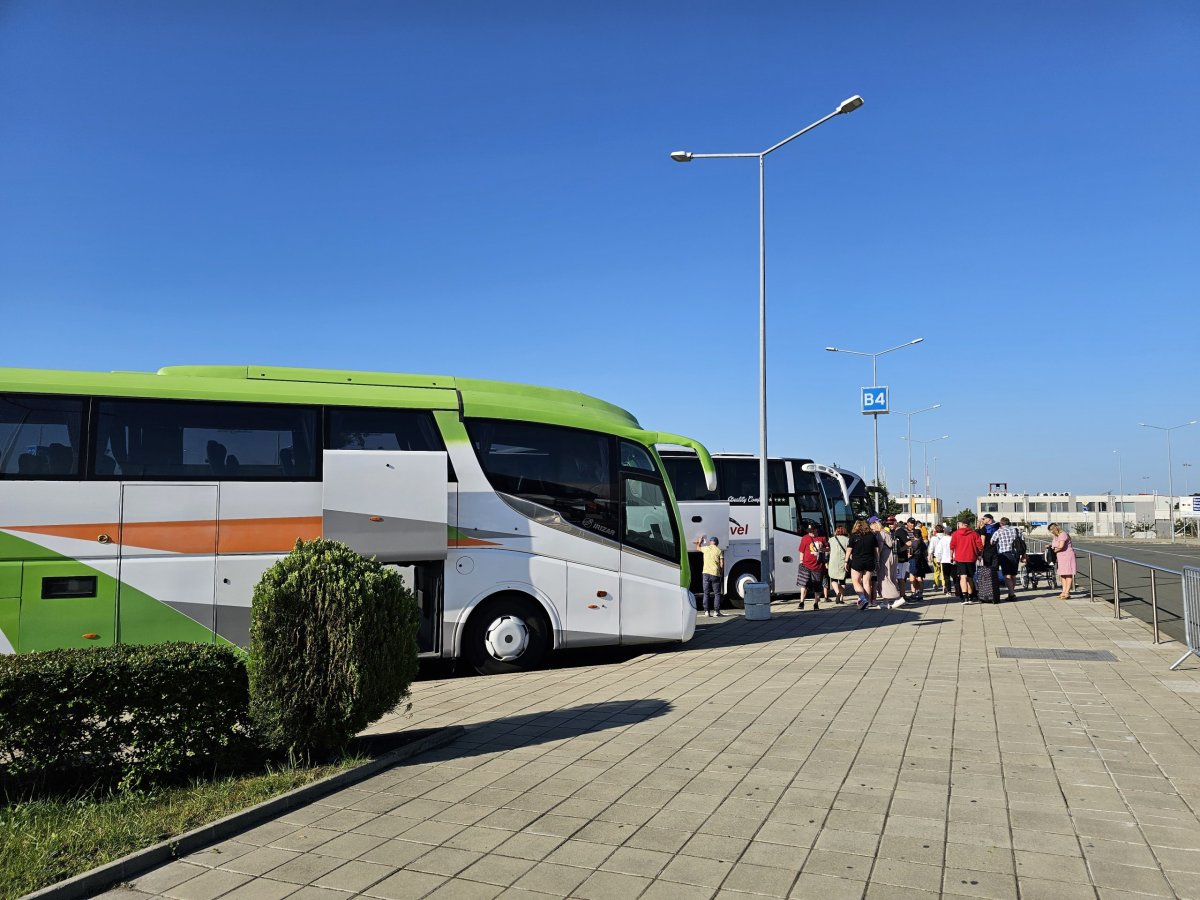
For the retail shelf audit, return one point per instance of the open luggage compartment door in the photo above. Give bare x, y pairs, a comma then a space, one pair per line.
391, 504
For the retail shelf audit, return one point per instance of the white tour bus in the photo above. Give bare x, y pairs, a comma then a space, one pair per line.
800, 491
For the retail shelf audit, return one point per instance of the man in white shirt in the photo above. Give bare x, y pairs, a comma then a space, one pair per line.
942, 559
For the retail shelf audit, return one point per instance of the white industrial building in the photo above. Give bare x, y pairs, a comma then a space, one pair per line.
1105, 515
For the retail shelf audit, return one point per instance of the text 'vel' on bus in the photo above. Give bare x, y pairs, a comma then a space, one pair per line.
800, 492
144, 507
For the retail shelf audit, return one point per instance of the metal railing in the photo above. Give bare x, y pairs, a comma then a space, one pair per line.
1191, 613
1116, 564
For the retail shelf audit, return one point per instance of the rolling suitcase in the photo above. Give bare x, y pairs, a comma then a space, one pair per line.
987, 584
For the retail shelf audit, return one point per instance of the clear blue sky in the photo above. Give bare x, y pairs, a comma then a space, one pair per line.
484, 189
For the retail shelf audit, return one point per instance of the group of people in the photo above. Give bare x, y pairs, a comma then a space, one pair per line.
887, 562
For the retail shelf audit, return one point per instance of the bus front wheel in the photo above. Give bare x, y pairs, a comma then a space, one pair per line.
506, 634
737, 585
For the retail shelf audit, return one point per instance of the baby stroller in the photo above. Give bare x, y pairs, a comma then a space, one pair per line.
1035, 569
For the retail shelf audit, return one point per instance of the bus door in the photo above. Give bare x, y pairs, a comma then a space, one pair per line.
394, 505
651, 598
168, 563
786, 519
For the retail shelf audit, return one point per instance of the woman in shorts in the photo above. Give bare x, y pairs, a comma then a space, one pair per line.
863, 555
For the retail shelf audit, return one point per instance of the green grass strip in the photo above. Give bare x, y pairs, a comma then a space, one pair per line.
44, 841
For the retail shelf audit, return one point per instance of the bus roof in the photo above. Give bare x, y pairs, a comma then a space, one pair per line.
276, 384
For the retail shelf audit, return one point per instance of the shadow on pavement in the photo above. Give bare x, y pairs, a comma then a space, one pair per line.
531, 729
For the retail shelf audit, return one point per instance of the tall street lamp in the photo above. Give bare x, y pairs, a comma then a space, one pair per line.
1186, 466
846, 106
925, 460
875, 383
909, 416
1170, 466
1121, 484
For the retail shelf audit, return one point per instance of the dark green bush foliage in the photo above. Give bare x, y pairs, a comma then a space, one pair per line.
131, 715
333, 646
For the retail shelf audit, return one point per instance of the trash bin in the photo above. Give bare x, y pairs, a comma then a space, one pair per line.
758, 601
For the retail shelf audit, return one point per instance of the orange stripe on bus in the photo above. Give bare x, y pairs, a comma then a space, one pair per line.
269, 535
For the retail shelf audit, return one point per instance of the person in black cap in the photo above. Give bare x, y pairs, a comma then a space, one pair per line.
814, 554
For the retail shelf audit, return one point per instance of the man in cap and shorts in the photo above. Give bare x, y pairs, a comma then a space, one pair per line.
814, 554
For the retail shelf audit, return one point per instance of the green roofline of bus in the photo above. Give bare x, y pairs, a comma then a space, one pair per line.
278, 384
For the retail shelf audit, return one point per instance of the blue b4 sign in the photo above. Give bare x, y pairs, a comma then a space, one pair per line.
874, 401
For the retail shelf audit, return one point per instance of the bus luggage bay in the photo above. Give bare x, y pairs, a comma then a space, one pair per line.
144, 507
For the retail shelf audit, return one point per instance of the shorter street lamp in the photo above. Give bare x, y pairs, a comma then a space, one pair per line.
925, 460
909, 416
875, 383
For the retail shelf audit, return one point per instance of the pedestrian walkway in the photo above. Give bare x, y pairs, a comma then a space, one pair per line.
831, 754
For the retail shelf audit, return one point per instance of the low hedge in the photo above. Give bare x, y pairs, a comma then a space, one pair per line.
129, 715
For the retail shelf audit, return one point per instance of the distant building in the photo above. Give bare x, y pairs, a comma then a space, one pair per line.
1101, 514
926, 509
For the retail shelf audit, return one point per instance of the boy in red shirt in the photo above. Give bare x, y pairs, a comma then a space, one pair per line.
965, 546
814, 552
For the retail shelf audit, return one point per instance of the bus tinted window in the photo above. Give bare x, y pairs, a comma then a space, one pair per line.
565, 469
40, 436
687, 478
152, 439
737, 480
635, 457
381, 429
648, 520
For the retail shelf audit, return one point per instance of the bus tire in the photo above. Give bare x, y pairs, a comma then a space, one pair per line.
507, 633
737, 585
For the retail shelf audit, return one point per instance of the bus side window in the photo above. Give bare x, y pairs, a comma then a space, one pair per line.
157, 439
40, 436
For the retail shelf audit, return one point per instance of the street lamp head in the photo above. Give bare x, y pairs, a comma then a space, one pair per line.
850, 104
936, 406
681, 155
832, 349
916, 341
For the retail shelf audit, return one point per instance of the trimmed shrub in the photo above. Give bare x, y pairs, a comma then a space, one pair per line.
333, 646
131, 715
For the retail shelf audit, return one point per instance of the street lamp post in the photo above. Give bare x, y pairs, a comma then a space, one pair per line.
875, 383
924, 463
1186, 466
846, 106
909, 416
1170, 467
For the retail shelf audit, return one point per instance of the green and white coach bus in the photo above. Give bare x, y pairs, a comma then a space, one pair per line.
144, 507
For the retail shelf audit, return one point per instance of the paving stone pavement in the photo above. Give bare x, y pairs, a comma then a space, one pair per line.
831, 754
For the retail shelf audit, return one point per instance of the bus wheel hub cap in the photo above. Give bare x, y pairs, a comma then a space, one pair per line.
506, 638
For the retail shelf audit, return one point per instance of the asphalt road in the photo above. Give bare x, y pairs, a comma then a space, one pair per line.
1135, 580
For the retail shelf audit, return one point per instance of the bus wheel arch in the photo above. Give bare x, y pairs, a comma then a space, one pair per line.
744, 573
510, 631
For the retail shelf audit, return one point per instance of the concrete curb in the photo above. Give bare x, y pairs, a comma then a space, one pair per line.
103, 877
